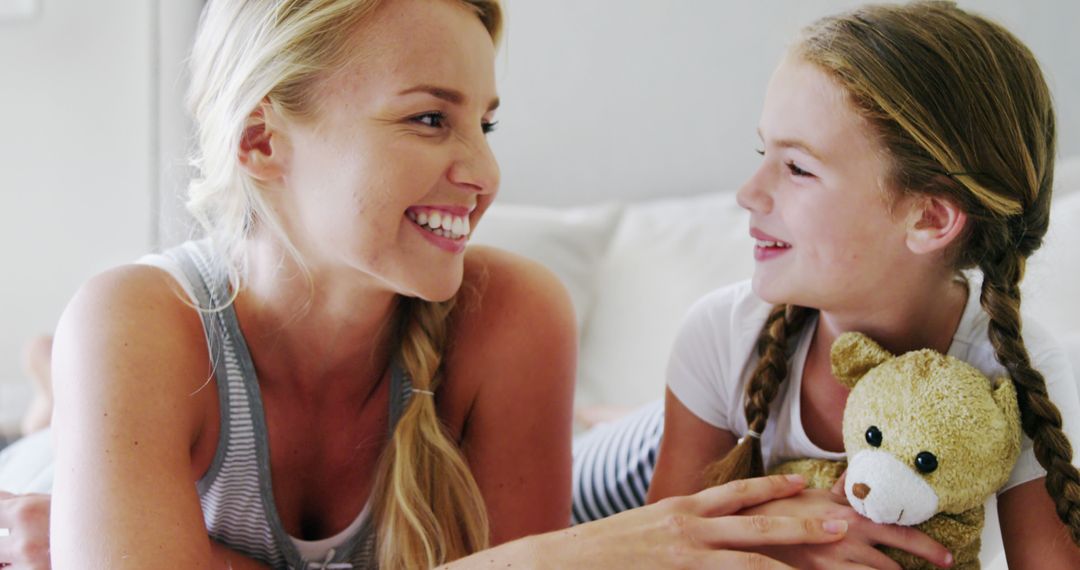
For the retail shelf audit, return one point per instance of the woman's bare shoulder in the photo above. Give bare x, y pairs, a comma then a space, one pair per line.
511, 377
512, 314
133, 328
505, 296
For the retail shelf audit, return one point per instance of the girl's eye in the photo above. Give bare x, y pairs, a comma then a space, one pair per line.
796, 171
489, 126
434, 120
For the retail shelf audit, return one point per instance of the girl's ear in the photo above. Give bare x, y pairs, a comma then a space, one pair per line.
933, 224
262, 145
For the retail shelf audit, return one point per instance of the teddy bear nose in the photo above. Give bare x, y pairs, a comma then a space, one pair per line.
861, 490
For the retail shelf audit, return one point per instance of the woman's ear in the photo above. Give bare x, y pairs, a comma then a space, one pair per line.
933, 224
261, 145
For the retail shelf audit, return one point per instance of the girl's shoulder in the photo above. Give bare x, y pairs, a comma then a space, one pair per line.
713, 349
731, 311
971, 341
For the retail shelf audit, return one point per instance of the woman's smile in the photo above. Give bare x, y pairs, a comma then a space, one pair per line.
447, 228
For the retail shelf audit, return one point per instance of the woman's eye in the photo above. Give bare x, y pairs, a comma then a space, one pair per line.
760, 151
434, 120
796, 171
489, 126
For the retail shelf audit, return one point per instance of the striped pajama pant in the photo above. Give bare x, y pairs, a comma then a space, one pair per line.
614, 462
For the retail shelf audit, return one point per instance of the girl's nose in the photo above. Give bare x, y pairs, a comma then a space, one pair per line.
753, 194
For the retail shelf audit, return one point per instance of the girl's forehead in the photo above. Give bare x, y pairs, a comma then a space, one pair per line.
803, 103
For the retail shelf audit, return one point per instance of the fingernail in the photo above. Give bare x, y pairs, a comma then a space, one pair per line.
948, 559
795, 478
835, 526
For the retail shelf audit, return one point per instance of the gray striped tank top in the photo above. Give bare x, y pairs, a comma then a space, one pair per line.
236, 493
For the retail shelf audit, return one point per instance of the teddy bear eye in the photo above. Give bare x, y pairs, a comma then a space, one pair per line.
873, 436
926, 462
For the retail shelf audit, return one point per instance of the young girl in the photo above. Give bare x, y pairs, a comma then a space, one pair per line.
902, 146
331, 379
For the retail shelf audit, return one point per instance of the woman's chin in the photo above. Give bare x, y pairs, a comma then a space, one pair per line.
437, 292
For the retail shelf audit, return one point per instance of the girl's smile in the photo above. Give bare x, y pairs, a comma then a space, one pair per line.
767, 247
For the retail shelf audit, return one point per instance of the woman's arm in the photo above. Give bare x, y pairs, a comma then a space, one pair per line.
26, 517
516, 342
130, 371
681, 532
858, 548
1033, 535
228, 559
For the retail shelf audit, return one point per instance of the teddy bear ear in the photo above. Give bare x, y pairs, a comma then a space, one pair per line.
1004, 394
853, 355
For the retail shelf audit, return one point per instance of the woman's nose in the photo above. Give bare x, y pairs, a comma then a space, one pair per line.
475, 167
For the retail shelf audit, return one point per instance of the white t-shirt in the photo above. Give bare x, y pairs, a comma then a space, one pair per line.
713, 358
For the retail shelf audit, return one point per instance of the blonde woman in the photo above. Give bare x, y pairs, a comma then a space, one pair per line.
330, 378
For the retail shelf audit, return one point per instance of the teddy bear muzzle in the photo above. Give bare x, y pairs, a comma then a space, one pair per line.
903, 496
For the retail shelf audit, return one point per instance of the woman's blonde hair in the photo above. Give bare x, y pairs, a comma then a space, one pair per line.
964, 113
428, 507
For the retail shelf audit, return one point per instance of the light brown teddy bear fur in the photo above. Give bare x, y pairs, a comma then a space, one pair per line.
924, 401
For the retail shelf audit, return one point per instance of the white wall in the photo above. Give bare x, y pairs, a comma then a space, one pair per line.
617, 99
75, 160
603, 99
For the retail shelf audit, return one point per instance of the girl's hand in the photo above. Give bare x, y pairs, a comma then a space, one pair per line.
697, 531
857, 549
26, 520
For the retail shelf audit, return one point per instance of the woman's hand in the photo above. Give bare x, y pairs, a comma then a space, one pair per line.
857, 549
26, 520
697, 531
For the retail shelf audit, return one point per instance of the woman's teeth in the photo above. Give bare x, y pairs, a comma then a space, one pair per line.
441, 224
767, 243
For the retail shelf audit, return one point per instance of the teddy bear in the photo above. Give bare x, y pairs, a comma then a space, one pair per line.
928, 439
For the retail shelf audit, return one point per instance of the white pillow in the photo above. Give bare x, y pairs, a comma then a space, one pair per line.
26, 466
1067, 176
1051, 289
569, 241
665, 255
